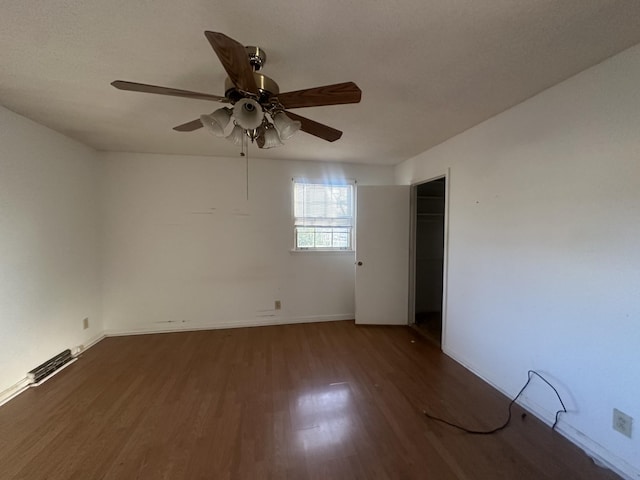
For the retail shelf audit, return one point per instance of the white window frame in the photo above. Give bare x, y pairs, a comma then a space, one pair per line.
294, 219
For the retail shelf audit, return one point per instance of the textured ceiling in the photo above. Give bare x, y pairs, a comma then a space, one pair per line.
428, 69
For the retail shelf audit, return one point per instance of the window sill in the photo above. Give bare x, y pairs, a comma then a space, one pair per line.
323, 252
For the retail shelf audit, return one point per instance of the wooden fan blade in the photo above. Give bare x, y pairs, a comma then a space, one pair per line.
317, 129
260, 141
235, 61
189, 126
336, 94
174, 92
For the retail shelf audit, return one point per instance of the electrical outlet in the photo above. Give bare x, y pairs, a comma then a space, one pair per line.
278, 305
622, 422
85, 323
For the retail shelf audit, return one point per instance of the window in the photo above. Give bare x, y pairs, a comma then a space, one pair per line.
323, 215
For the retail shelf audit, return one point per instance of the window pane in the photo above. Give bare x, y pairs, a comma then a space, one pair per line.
323, 215
323, 238
340, 239
304, 238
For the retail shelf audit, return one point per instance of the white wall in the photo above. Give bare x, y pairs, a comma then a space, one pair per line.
185, 249
49, 261
544, 251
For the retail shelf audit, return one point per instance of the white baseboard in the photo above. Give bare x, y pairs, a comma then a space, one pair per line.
600, 455
86, 346
14, 390
20, 386
254, 322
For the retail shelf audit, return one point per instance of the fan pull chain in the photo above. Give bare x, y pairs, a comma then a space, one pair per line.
245, 140
247, 172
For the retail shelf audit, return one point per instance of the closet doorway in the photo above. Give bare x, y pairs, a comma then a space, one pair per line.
429, 231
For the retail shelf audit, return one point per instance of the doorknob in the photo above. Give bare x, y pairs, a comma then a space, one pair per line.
359, 264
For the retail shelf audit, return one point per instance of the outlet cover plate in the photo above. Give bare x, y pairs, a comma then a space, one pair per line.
622, 422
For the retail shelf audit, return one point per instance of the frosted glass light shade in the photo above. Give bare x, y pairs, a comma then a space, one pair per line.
222, 116
216, 122
237, 135
248, 113
271, 138
285, 125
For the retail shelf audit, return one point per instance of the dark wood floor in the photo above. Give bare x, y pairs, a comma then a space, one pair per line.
429, 324
316, 401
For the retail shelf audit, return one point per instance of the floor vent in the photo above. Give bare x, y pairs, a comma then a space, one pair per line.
50, 366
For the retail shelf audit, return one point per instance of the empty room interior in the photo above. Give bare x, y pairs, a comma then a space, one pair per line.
320, 240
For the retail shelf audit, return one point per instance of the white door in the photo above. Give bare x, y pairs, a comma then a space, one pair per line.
382, 255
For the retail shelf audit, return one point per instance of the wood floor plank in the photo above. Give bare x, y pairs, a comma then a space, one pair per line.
315, 401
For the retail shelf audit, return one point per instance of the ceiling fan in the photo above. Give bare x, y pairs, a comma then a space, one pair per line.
259, 111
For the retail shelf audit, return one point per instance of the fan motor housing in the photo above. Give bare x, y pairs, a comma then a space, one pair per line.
267, 88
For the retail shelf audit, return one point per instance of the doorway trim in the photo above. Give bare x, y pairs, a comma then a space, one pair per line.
412, 251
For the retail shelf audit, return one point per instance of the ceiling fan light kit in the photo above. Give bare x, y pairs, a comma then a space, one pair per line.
271, 138
259, 110
285, 125
217, 121
248, 113
237, 135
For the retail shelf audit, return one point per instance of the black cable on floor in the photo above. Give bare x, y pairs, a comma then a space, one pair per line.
530, 375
